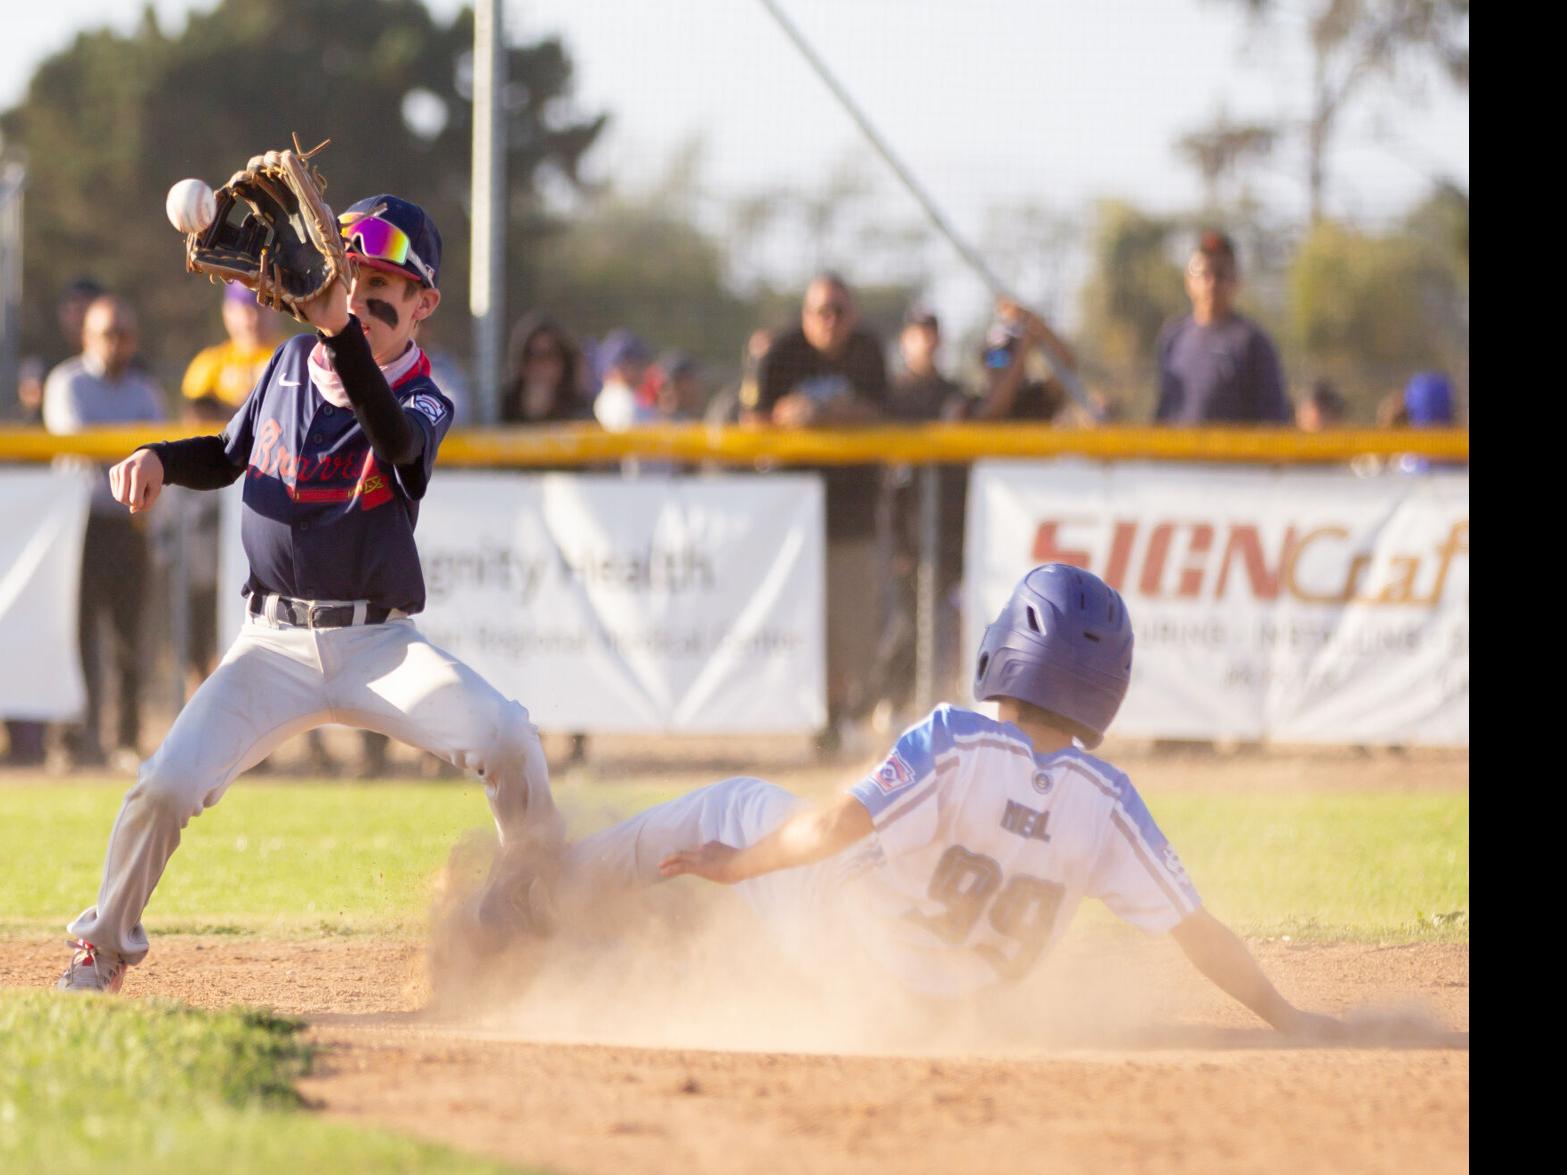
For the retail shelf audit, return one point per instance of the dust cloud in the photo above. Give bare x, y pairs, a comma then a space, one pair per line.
686, 964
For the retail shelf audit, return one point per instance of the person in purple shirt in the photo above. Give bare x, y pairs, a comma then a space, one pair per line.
336, 445
1217, 366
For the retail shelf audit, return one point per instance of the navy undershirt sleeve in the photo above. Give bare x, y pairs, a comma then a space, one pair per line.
198, 463
393, 438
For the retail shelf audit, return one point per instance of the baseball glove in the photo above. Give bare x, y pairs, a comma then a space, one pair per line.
273, 232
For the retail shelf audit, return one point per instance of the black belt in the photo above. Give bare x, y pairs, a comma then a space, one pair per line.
309, 614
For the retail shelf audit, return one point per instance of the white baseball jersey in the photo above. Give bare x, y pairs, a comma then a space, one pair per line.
983, 850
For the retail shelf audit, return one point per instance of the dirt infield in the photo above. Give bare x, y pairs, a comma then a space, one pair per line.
1156, 1073
1119, 1058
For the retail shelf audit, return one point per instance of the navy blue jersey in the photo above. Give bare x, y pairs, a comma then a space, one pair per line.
322, 519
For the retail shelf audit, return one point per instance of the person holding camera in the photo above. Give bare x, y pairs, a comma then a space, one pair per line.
1008, 393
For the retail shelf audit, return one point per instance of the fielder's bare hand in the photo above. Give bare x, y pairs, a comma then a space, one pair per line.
714, 861
137, 481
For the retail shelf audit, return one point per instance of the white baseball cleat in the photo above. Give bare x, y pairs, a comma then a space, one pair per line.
91, 969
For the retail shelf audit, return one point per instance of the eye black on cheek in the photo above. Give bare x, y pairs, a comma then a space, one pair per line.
384, 311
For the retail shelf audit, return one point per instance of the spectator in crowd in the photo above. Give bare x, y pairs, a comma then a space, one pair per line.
1391, 412
1008, 392
1216, 365
25, 739
624, 360
1428, 403
99, 387
730, 403
677, 388
830, 372
669, 392
1104, 408
919, 393
1428, 400
219, 377
1321, 408
69, 312
543, 375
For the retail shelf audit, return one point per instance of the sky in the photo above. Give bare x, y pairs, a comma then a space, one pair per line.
987, 102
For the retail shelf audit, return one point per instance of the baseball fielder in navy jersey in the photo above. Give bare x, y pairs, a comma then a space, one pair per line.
336, 446
957, 863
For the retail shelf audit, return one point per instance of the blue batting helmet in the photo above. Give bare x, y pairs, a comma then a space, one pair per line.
1063, 643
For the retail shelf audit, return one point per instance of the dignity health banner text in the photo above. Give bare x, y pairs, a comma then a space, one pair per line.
605, 604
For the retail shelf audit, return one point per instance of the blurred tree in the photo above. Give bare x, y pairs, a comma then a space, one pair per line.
1220, 151
110, 122
1030, 249
635, 263
1442, 220
1353, 41
1367, 311
1135, 285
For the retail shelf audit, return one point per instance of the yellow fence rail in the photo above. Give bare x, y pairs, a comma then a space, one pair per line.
561, 445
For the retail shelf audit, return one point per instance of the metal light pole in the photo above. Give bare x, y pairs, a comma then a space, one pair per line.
13, 179
487, 283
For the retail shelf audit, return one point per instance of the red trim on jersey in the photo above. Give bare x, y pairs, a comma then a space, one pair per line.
420, 369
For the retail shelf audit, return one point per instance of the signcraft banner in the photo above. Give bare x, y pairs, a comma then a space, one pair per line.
1295, 605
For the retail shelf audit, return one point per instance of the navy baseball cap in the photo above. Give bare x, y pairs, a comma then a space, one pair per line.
388, 233
622, 346
1428, 398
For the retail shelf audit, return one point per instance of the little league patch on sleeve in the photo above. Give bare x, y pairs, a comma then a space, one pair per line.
429, 406
893, 774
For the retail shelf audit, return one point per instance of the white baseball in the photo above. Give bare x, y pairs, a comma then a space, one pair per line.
191, 206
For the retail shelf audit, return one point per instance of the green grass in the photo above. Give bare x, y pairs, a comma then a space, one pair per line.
326, 858
332, 858
92, 1084
1368, 868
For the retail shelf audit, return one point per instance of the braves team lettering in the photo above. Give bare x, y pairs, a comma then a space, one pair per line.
355, 471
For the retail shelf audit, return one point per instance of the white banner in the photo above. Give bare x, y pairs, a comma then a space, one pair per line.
1303, 605
43, 519
604, 603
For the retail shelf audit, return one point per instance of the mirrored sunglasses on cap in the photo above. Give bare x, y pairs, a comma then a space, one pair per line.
381, 240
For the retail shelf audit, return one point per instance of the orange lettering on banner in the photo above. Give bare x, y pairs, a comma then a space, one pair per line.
1194, 566
1243, 546
1401, 585
1120, 553
1405, 572
1291, 565
1153, 559
1047, 549
1246, 542
1191, 576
